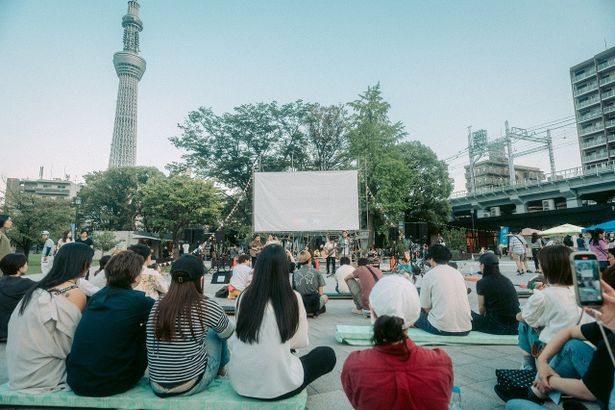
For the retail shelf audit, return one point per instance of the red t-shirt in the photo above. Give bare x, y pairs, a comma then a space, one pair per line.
367, 282
385, 377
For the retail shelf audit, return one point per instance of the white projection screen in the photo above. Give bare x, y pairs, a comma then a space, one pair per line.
306, 201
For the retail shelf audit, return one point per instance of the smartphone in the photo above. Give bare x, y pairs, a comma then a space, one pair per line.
586, 278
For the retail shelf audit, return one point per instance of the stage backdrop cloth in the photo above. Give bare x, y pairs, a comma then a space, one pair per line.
306, 201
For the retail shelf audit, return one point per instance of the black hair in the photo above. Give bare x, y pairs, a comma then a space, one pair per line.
270, 284
143, 250
84, 230
363, 262
534, 237
344, 260
609, 276
102, 263
243, 258
3, 219
440, 254
555, 263
12, 262
123, 268
595, 234
71, 262
291, 267
389, 329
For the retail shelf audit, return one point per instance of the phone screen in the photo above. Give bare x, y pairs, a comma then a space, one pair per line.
588, 280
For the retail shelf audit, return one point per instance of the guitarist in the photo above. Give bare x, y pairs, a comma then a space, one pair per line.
331, 253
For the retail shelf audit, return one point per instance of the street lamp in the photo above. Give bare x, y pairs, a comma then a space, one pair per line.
77, 204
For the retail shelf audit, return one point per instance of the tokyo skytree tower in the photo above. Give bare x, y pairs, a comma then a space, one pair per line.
129, 68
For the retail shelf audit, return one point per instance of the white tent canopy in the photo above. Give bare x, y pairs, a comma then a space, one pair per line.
565, 229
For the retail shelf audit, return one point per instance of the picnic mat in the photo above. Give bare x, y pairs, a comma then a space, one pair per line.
219, 395
335, 295
362, 335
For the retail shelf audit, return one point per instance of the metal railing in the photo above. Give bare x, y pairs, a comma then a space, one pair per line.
589, 130
608, 109
590, 116
609, 123
562, 175
607, 80
589, 88
606, 64
593, 142
607, 94
584, 76
590, 101
595, 157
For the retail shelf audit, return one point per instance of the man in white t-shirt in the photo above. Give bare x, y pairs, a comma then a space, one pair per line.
444, 297
342, 273
517, 247
242, 276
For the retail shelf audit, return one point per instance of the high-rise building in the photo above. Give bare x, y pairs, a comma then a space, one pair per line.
593, 90
53, 188
129, 67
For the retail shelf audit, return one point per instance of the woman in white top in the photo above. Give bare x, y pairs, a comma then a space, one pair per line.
42, 326
271, 320
67, 237
552, 309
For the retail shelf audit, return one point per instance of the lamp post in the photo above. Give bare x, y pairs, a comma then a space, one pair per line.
77, 204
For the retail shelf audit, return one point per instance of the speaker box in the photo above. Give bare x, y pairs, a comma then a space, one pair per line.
393, 233
220, 236
221, 277
418, 230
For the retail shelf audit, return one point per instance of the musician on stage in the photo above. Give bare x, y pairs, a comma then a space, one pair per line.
330, 251
344, 245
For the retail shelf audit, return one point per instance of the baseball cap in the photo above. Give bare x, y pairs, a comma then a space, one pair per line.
187, 268
489, 258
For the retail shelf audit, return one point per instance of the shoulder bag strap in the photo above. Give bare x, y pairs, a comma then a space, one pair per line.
372, 272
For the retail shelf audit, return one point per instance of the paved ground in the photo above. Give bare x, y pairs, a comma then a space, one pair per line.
474, 366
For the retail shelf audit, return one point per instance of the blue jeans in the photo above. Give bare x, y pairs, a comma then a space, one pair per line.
527, 337
518, 404
423, 324
571, 362
490, 324
217, 357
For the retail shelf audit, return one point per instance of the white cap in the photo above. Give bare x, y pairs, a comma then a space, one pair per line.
394, 295
45, 233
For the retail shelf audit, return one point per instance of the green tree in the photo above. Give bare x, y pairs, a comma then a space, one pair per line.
455, 238
110, 199
104, 241
327, 137
32, 214
172, 204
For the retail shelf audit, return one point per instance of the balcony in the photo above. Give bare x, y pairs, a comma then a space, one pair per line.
593, 143
608, 109
607, 80
590, 130
607, 94
610, 123
584, 76
590, 116
591, 101
588, 89
599, 156
606, 64
611, 137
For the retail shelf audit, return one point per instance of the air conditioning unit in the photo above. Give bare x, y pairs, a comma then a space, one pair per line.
494, 211
548, 204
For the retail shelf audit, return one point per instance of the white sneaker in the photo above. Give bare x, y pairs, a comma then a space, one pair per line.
357, 311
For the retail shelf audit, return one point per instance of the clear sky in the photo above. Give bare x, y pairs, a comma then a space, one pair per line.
442, 65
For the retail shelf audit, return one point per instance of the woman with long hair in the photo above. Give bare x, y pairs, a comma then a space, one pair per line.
598, 246
186, 334
67, 237
498, 303
395, 373
41, 329
271, 320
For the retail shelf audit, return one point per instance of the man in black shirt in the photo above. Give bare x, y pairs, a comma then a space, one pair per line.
12, 287
498, 303
85, 239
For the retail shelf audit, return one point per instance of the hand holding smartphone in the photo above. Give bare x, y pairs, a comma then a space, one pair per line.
586, 279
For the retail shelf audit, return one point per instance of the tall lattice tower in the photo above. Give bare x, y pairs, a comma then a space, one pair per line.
129, 67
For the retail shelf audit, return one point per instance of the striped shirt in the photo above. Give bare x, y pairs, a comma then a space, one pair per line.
185, 357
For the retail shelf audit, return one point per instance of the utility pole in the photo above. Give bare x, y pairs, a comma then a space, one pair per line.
549, 143
511, 165
472, 161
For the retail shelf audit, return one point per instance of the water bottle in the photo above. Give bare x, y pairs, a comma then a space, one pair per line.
455, 399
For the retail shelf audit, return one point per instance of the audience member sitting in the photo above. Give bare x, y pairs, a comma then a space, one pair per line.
404, 267
98, 277
271, 320
186, 334
342, 273
242, 275
41, 328
12, 287
498, 303
108, 354
361, 282
152, 283
551, 309
310, 284
397, 374
444, 297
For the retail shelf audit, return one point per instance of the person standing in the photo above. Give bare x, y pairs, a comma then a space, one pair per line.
598, 246
5, 244
67, 237
537, 244
255, 248
344, 245
581, 243
331, 248
517, 247
85, 239
47, 254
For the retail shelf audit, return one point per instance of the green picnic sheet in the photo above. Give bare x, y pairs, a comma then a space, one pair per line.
361, 336
335, 295
219, 395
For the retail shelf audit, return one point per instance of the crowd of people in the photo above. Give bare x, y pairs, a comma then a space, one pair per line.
104, 326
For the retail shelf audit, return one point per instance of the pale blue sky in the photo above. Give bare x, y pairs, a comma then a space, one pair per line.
443, 65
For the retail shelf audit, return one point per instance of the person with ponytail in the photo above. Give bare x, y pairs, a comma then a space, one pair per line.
395, 373
186, 334
271, 320
42, 326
